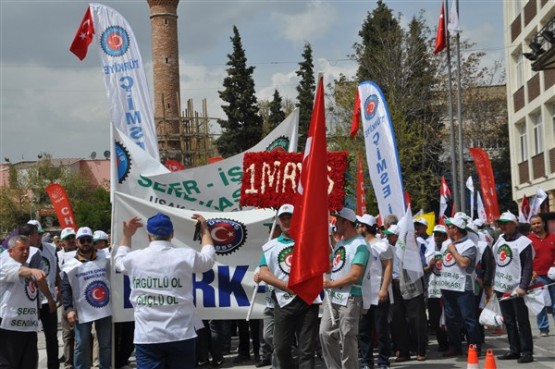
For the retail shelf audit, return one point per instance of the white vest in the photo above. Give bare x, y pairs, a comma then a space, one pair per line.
90, 284
18, 306
49, 266
434, 288
343, 254
278, 253
507, 260
64, 257
453, 277
377, 248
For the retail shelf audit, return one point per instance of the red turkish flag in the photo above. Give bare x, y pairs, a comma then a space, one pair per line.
355, 122
441, 36
84, 36
309, 226
444, 199
174, 165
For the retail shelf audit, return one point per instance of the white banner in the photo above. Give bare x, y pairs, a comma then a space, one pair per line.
480, 208
536, 203
223, 292
470, 186
407, 249
124, 77
381, 151
212, 187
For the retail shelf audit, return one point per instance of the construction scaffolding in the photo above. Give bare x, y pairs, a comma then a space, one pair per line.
186, 139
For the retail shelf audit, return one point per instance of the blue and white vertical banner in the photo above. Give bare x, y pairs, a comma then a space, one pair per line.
130, 102
381, 150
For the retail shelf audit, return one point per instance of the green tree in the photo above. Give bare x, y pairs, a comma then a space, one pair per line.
277, 115
96, 211
305, 93
243, 127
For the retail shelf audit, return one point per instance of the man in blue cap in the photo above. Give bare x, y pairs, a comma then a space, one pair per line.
162, 291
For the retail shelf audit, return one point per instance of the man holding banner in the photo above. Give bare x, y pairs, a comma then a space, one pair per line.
162, 291
291, 314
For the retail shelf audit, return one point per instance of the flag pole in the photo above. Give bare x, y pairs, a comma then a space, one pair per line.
459, 119
456, 194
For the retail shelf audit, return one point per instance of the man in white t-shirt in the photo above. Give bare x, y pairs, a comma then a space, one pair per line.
19, 321
162, 291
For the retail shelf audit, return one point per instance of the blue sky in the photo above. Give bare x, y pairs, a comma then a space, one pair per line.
52, 102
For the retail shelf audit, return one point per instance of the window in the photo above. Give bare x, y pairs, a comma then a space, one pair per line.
523, 141
519, 66
538, 134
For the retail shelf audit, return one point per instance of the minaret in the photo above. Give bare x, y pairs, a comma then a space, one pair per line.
165, 60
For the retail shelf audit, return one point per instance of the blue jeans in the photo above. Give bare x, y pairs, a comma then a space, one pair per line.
460, 307
83, 344
542, 319
167, 355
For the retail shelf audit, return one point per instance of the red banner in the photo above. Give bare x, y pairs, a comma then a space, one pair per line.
487, 182
61, 204
361, 189
270, 178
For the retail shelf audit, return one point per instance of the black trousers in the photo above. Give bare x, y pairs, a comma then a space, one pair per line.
409, 316
248, 330
375, 320
209, 341
123, 336
18, 350
297, 317
517, 322
50, 328
434, 312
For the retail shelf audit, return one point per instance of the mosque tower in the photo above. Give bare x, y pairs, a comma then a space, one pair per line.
165, 60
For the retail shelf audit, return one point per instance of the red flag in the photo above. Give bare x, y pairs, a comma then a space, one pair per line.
361, 190
84, 36
174, 165
524, 213
487, 182
355, 122
61, 204
444, 198
407, 199
309, 226
441, 38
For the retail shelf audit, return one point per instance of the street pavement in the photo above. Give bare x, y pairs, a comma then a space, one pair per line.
544, 354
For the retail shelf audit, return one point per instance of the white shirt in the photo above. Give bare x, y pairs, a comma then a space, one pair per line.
161, 277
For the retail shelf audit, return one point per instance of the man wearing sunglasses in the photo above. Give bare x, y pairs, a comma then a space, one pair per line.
86, 298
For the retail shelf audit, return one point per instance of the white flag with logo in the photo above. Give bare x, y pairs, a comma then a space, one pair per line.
381, 150
537, 202
470, 186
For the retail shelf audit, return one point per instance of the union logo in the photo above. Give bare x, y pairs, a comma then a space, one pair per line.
31, 290
284, 259
123, 162
97, 294
228, 235
339, 259
504, 255
280, 144
115, 41
448, 259
371, 106
438, 265
46, 265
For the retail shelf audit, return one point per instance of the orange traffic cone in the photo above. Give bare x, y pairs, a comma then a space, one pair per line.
472, 360
490, 360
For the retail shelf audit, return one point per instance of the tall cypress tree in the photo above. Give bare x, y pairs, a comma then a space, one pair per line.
243, 127
305, 97
277, 115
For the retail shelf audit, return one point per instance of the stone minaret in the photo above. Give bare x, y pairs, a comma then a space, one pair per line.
165, 59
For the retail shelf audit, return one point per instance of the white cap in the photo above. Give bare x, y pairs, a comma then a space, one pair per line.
36, 223
347, 214
440, 228
507, 217
100, 236
84, 232
473, 227
392, 230
479, 222
285, 209
460, 215
457, 222
422, 221
67, 232
367, 219
551, 273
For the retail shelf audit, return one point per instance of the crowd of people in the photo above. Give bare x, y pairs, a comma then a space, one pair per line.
369, 296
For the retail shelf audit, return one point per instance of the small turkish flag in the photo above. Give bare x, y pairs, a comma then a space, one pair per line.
84, 36
441, 37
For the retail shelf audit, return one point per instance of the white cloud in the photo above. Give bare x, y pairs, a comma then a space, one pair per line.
318, 17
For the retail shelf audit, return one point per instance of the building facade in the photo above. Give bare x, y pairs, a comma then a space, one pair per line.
530, 68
